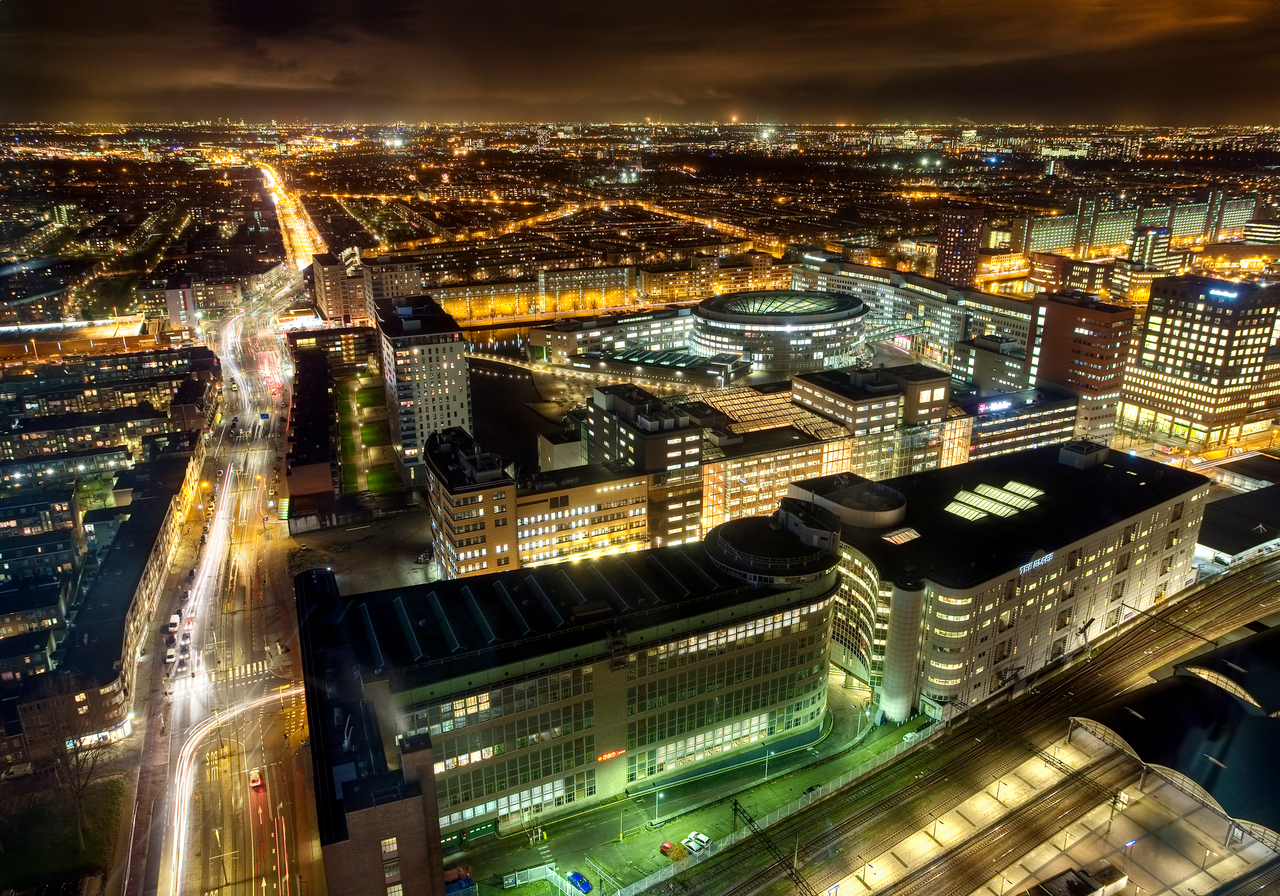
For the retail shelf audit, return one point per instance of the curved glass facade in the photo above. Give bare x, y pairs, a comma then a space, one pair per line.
782, 331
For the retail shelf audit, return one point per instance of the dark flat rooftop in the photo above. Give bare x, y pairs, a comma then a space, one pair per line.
94, 644
428, 633
1219, 741
1237, 523
54, 422
961, 553
1263, 467
1253, 663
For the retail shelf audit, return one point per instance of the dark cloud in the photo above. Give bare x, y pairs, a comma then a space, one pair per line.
1156, 61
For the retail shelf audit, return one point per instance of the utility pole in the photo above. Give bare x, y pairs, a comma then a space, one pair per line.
780, 858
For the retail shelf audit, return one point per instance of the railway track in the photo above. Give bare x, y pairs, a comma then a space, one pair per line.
879, 810
964, 868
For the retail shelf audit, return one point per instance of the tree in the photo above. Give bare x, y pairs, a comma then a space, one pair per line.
73, 720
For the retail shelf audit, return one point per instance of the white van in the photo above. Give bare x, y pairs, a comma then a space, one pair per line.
17, 770
174, 621
169, 657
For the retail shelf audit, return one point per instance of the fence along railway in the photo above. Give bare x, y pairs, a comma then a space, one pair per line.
874, 813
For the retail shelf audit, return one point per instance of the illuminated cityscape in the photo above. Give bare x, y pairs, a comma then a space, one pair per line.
673, 451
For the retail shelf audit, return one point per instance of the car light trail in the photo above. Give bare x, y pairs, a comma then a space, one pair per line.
184, 779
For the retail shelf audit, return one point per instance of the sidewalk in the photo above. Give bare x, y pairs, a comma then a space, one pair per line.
147, 778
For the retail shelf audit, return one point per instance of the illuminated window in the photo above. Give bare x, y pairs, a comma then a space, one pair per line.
389, 846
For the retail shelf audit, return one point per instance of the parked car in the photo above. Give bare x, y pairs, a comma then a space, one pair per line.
701, 838
667, 848
186, 594
169, 656
694, 846
813, 790
22, 769
581, 883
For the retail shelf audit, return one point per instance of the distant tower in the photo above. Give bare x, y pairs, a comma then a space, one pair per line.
958, 240
1151, 247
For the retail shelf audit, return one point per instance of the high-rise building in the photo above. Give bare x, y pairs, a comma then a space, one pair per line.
1081, 344
959, 236
425, 377
472, 504
340, 287
1207, 370
1151, 247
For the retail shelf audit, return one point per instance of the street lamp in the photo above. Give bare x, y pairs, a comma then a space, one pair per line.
999, 784
656, 796
767, 754
1207, 853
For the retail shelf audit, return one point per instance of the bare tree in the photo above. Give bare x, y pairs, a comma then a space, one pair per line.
71, 734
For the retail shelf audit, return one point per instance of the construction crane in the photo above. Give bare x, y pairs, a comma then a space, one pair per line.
783, 861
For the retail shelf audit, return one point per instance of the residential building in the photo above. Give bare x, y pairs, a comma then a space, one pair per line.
472, 503
425, 376
340, 288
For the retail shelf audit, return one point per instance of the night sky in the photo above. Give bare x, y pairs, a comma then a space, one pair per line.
858, 61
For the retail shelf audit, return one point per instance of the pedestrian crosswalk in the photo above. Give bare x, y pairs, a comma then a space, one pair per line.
242, 672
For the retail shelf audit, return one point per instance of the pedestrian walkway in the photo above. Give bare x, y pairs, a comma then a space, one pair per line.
1166, 842
243, 672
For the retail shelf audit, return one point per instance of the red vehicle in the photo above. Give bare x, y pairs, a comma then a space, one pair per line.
667, 848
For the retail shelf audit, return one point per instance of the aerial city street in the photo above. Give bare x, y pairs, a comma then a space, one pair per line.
684, 459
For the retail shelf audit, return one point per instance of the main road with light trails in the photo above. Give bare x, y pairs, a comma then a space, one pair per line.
236, 724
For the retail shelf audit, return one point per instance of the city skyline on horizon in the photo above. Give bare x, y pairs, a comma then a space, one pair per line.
1145, 64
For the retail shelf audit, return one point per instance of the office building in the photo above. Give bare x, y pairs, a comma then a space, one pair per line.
630, 426
1207, 370
919, 314
959, 582
1262, 232
1014, 421
1151, 247
1081, 344
1131, 280
959, 235
425, 376
586, 511
894, 415
989, 365
665, 330
513, 700
1054, 273
782, 330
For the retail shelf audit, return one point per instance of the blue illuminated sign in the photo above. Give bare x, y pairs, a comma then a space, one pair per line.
1034, 564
